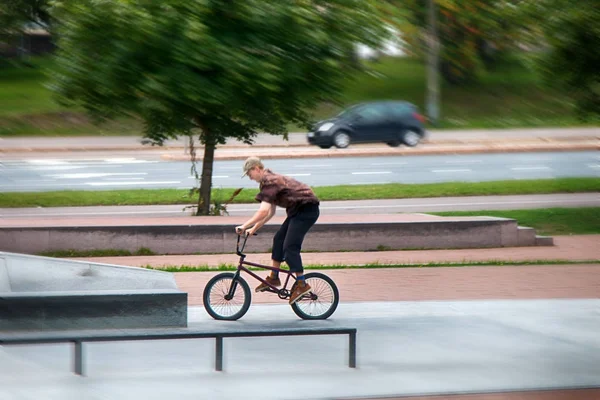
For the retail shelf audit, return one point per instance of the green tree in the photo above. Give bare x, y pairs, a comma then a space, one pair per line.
214, 69
15, 14
572, 32
472, 33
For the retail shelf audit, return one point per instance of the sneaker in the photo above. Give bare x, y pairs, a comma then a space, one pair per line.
263, 286
300, 289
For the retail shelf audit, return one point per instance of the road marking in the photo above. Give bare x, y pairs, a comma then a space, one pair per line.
313, 166
594, 165
56, 167
131, 183
372, 173
450, 170
126, 179
47, 162
94, 175
529, 168
126, 160
35, 181
390, 163
214, 176
84, 161
464, 161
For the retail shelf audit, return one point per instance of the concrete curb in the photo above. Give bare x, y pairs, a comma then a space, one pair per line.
476, 145
267, 152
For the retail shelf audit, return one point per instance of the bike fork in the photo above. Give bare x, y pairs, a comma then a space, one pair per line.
234, 284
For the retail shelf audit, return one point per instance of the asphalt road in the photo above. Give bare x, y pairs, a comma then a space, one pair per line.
472, 203
37, 175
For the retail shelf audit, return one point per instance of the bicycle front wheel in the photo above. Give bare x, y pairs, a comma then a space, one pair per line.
216, 298
322, 300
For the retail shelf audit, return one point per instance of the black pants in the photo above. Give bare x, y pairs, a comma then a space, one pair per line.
287, 242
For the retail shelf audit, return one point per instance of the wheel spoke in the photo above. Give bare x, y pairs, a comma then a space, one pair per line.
217, 302
324, 301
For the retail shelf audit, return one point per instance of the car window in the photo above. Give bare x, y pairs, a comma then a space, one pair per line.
399, 110
373, 113
349, 111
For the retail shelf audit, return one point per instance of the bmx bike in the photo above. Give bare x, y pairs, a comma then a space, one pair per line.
227, 296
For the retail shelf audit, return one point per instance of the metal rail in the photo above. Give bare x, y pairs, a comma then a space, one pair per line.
79, 338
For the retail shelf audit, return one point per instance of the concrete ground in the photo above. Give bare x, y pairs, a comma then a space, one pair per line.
404, 348
461, 333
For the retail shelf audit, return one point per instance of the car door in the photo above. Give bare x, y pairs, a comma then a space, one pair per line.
398, 115
372, 124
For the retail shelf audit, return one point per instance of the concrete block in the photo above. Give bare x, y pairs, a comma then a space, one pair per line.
47, 293
544, 241
102, 309
526, 236
360, 233
45, 274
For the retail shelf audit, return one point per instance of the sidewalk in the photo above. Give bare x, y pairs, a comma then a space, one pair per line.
436, 142
420, 283
572, 248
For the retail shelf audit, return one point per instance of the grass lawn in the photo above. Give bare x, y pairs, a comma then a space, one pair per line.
510, 96
548, 221
228, 267
325, 193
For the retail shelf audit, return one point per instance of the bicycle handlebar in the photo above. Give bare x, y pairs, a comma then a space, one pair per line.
239, 251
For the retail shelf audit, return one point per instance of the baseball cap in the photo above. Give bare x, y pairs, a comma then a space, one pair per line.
250, 163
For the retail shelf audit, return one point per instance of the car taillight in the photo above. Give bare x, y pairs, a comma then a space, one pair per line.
419, 117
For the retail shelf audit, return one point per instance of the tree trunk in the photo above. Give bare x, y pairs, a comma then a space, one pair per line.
206, 180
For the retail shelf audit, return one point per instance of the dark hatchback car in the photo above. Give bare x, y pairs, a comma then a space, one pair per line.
390, 122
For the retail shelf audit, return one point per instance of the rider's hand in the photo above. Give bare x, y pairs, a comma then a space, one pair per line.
251, 231
240, 230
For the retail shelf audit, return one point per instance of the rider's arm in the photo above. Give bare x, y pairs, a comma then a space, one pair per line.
263, 213
259, 224
263, 221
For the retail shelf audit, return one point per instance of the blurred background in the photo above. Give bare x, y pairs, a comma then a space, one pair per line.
501, 65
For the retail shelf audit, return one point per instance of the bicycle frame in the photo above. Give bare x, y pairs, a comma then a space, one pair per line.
283, 292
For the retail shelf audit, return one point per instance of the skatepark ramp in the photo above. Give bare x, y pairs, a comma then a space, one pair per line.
42, 293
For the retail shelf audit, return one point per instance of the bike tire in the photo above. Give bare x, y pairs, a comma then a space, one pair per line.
220, 308
327, 298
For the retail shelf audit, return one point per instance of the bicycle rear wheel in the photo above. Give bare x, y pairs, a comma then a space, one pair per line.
322, 300
216, 301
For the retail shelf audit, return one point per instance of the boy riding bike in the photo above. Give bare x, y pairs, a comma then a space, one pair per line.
302, 208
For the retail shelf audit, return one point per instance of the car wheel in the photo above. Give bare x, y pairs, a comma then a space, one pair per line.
325, 146
395, 143
341, 140
411, 138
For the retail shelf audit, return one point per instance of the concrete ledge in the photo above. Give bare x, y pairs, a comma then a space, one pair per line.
43, 293
544, 241
412, 231
92, 310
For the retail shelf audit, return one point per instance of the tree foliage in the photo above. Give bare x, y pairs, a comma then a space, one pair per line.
217, 69
572, 31
472, 33
16, 14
